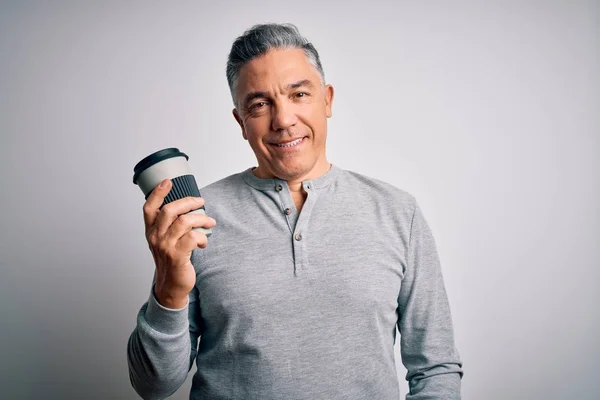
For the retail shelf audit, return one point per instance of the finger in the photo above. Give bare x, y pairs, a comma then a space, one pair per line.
152, 205
191, 240
185, 223
169, 213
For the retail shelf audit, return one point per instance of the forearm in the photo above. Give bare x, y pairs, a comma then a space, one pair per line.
440, 382
427, 343
158, 350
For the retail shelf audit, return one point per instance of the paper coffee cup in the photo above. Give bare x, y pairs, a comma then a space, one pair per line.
168, 164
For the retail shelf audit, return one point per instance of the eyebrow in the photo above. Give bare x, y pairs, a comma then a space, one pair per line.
263, 95
303, 82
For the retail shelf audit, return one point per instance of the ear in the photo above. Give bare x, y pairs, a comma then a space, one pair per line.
239, 120
328, 100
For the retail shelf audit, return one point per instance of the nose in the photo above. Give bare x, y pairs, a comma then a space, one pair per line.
283, 117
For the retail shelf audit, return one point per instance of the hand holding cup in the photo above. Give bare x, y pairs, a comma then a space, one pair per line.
171, 238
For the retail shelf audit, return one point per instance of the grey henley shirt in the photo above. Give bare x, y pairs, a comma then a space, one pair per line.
304, 306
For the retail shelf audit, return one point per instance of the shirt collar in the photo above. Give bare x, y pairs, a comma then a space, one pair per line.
272, 183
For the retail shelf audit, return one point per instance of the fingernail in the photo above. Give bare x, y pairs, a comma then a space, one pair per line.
198, 199
164, 184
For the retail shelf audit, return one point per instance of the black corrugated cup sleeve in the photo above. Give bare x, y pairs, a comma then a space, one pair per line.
183, 186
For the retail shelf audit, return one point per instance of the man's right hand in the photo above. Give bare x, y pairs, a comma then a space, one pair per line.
171, 239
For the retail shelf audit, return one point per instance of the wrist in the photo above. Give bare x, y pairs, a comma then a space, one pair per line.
167, 299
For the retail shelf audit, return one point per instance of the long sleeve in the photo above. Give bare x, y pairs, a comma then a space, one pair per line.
427, 343
162, 347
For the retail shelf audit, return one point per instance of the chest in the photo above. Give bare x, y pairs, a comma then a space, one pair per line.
257, 271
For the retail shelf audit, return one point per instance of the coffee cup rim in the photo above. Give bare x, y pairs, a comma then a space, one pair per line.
155, 158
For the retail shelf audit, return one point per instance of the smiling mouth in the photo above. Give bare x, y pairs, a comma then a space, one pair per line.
286, 145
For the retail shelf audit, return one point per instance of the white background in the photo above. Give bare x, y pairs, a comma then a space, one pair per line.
487, 112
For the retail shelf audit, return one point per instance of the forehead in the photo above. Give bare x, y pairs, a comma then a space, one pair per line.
276, 67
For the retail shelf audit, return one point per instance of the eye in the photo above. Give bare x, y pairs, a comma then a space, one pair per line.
301, 94
258, 105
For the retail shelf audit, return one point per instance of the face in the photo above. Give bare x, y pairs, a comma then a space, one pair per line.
282, 108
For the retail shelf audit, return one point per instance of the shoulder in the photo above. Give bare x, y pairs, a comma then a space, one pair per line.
390, 208
377, 190
224, 187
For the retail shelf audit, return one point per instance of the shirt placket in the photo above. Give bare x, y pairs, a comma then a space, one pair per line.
298, 222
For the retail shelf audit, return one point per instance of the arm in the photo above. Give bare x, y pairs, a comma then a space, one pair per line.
425, 323
162, 347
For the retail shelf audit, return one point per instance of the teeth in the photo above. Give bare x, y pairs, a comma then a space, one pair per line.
290, 144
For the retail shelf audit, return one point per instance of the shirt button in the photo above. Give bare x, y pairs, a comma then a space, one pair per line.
298, 237
278, 188
287, 211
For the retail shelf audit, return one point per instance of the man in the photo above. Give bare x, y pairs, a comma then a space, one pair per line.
299, 290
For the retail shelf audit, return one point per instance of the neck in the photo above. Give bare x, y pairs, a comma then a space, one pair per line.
295, 182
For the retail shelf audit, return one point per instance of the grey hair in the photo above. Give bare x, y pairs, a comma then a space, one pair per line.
261, 38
